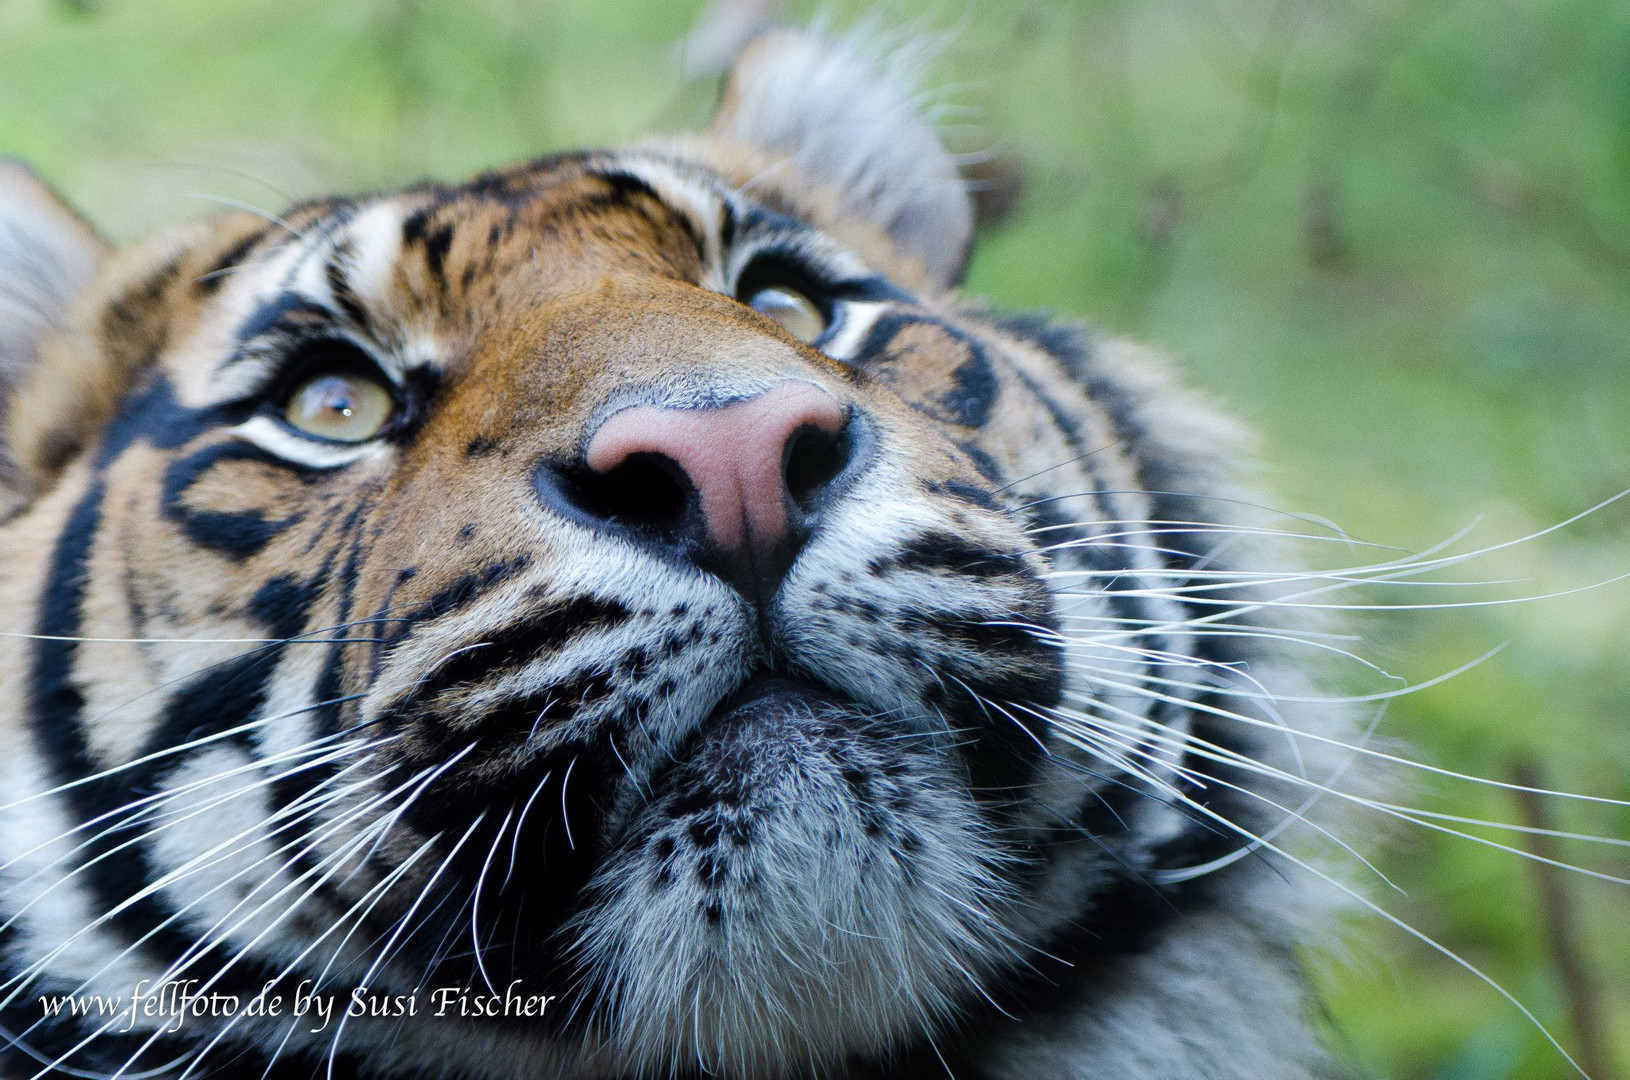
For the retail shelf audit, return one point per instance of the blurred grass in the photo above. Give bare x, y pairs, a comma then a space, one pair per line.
1392, 234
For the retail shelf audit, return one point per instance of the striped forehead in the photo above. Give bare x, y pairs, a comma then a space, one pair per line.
347, 268
698, 198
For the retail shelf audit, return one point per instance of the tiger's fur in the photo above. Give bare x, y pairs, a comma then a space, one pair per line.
274, 711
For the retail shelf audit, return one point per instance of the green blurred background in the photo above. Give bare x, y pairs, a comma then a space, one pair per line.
1393, 235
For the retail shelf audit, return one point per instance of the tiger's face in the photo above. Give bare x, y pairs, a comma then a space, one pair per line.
627, 581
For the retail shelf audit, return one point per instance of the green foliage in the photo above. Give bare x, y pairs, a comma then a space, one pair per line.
1393, 234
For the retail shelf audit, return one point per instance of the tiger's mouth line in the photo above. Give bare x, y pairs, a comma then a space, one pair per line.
769, 689
763, 694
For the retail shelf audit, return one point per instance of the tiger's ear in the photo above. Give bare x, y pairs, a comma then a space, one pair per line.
849, 124
48, 254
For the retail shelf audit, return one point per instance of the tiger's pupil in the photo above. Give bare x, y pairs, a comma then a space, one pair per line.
796, 313
344, 408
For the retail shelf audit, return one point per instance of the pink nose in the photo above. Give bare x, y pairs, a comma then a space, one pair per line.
743, 460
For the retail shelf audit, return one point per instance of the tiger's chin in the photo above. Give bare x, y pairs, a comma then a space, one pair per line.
806, 882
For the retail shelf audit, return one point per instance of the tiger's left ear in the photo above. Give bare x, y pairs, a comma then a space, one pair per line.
48, 254
848, 126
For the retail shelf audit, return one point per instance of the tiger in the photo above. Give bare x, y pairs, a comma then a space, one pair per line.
627, 615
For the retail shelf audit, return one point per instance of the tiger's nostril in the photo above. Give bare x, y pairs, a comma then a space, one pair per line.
814, 459
644, 491
738, 486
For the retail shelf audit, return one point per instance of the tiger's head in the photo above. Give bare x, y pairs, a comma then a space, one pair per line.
629, 581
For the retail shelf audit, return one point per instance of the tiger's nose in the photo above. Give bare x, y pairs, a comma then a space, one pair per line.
741, 483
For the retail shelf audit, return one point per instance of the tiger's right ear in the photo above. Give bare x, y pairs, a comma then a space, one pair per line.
846, 119
48, 254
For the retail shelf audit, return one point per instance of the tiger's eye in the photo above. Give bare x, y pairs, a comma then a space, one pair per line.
796, 313
341, 407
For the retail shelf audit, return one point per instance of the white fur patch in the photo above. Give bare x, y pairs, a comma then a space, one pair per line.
272, 437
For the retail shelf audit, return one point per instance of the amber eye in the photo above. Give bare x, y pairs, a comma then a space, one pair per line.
342, 406
796, 313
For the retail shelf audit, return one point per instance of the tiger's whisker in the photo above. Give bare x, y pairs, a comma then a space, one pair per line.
147, 834
1223, 755
181, 748
1108, 730
402, 925
475, 900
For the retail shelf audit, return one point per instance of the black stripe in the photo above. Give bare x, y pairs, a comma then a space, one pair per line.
55, 710
1014, 668
328, 682
279, 312
949, 553
971, 494
1108, 562
1140, 610
466, 589
969, 402
436, 241
283, 603
55, 702
229, 260
224, 696
727, 225
130, 333
981, 460
152, 415
324, 717
523, 642
1163, 479
627, 190
237, 534
344, 295
382, 618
